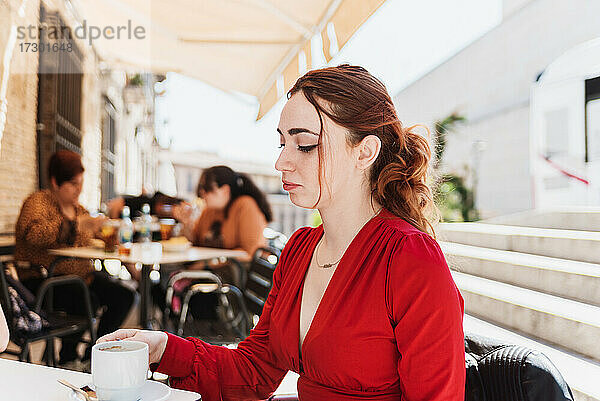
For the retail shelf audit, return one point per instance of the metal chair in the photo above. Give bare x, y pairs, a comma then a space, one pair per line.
275, 239
260, 279
232, 312
238, 310
60, 323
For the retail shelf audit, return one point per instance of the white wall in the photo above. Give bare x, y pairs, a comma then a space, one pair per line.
489, 82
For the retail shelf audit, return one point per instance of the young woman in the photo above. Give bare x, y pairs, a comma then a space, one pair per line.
363, 307
235, 215
53, 218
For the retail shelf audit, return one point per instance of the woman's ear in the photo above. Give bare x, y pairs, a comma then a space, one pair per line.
53, 184
368, 150
226, 190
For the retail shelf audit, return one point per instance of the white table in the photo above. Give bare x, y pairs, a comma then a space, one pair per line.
20, 381
193, 254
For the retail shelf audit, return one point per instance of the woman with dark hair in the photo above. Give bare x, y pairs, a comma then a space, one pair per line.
235, 215
53, 218
363, 307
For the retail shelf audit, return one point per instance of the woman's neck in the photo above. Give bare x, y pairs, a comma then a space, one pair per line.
67, 208
342, 221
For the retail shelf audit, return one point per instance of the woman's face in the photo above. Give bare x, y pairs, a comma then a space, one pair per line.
298, 162
217, 197
68, 192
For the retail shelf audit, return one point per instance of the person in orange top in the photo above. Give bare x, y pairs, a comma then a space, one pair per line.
235, 215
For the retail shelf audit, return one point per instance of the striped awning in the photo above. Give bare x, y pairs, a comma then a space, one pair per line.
256, 47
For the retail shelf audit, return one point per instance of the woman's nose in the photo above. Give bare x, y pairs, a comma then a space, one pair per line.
283, 162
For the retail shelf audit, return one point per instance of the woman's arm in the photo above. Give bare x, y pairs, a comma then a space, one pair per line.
36, 224
4, 334
426, 311
218, 373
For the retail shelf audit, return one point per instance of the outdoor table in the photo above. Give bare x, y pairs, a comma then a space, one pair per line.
21, 381
193, 254
7, 244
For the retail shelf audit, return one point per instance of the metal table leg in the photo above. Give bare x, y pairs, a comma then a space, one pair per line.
145, 300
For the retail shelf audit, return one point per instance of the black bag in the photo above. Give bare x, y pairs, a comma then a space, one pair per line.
498, 371
24, 321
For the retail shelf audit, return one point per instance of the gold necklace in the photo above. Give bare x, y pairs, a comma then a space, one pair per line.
328, 265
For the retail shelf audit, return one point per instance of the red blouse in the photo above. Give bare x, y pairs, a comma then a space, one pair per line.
389, 327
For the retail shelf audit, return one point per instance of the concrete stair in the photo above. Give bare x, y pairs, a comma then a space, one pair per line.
579, 281
569, 324
564, 244
567, 218
534, 286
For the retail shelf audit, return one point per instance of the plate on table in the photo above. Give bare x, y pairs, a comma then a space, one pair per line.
97, 243
152, 391
177, 244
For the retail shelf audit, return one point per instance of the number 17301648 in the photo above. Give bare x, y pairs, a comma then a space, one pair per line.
33, 47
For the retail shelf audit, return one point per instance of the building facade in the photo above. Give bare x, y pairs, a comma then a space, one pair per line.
136, 149
64, 97
47, 102
490, 83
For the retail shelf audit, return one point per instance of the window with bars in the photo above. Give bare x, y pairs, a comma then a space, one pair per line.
59, 93
108, 151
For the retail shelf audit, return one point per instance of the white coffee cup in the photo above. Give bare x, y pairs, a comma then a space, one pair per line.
119, 370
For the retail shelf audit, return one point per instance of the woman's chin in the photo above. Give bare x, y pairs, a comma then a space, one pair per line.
301, 201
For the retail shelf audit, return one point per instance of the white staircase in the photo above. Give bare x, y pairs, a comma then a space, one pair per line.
534, 286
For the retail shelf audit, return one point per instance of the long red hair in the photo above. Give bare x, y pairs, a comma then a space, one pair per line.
354, 99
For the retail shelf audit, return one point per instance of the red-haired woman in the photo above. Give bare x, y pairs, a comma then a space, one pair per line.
363, 307
53, 218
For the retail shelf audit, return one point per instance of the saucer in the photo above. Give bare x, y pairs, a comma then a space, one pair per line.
152, 391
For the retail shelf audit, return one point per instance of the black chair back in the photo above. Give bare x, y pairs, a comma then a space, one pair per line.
260, 278
5, 298
497, 371
58, 324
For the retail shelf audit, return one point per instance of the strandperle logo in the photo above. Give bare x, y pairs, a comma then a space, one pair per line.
83, 32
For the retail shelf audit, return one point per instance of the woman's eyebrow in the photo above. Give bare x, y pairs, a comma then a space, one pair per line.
294, 131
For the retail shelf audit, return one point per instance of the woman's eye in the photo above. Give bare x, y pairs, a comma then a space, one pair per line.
281, 145
306, 149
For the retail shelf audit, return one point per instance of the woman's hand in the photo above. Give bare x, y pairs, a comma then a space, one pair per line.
183, 212
156, 340
186, 215
88, 223
115, 207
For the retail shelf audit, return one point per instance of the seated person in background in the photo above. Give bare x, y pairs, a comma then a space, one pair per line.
53, 218
236, 212
4, 334
235, 215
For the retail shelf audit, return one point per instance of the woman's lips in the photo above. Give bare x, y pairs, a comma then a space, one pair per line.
288, 186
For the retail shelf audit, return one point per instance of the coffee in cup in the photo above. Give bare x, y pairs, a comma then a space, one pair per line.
119, 369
